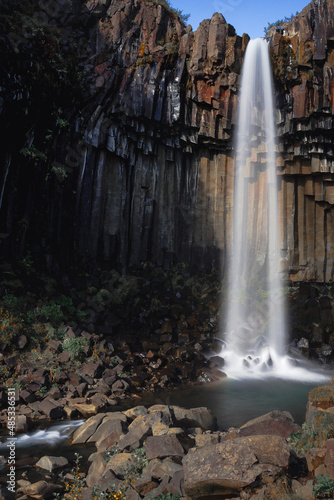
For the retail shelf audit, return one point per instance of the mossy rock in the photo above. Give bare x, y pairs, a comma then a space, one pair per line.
322, 397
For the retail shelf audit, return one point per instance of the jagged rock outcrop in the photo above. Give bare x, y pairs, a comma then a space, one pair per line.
147, 170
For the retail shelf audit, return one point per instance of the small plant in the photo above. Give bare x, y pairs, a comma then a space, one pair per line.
27, 264
61, 121
33, 154
114, 361
132, 472
60, 172
323, 486
313, 436
141, 460
52, 312
10, 327
301, 442
110, 453
75, 346
74, 488
43, 390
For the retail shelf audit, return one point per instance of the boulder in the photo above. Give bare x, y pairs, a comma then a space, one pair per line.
144, 484
206, 439
329, 458
176, 485
276, 422
54, 393
228, 467
96, 470
138, 431
268, 449
64, 357
109, 428
54, 345
12, 361
135, 412
100, 401
120, 463
22, 423
219, 469
22, 341
195, 417
303, 491
51, 463
163, 446
71, 413
162, 468
42, 489
93, 370
51, 408
86, 409
218, 361
86, 430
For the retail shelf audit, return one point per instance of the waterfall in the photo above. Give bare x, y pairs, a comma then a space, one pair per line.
254, 331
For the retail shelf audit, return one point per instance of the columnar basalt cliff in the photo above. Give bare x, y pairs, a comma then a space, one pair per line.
144, 170
303, 68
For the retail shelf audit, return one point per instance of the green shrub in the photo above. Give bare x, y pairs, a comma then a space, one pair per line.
301, 442
312, 436
74, 487
323, 487
75, 346
130, 474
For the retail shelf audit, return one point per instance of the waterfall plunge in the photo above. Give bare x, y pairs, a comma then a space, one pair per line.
255, 328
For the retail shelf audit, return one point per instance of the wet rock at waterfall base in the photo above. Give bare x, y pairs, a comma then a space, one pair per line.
217, 361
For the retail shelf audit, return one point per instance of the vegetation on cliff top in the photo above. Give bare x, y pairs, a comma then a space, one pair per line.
176, 12
278, 24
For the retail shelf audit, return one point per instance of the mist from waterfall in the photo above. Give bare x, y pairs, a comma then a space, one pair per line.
254, 333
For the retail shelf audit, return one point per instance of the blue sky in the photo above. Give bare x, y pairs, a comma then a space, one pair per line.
247, 16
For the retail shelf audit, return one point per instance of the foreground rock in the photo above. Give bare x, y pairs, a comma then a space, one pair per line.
52, 463
279, 423
228, 467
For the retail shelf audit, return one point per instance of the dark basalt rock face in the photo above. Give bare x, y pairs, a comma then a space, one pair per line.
145, 169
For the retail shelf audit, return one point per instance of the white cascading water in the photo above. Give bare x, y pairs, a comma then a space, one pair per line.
255, 328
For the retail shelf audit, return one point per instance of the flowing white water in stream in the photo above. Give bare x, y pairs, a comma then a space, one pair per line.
255, 329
